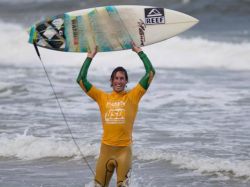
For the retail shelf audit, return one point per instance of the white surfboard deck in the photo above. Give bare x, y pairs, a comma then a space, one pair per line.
111, 28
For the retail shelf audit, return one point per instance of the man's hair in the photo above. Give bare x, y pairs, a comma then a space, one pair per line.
114, 73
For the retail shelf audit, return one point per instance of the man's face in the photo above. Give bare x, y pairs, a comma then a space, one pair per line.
119, 82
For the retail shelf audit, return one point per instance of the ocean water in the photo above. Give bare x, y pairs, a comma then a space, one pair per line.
192, 128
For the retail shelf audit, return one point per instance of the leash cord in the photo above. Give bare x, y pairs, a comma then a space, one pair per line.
63, 115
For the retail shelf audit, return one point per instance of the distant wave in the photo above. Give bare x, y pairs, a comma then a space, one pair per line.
196, 6
27, 1
176, 52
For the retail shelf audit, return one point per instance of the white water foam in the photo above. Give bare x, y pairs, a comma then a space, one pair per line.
133, 183
176, 52
202, 165
29, 147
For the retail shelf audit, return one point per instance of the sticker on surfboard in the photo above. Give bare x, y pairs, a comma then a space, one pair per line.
142, 28
154, 16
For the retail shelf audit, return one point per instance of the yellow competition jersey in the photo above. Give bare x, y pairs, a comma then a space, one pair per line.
118, 112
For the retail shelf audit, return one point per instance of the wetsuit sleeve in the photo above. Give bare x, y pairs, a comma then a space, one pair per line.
82, 77
150, 72
92, 91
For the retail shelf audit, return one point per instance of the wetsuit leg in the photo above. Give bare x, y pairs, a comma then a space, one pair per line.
111, 158
105, 167
123, 170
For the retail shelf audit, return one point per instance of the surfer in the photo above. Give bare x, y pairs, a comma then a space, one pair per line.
118, 111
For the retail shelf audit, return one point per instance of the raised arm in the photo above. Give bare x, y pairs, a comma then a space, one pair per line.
150, 72
82, 77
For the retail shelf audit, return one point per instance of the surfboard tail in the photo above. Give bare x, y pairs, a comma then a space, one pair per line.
32, 34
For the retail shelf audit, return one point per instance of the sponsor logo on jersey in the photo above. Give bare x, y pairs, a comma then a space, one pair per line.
115, 112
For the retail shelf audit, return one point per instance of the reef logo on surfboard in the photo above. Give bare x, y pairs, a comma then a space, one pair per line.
154, 16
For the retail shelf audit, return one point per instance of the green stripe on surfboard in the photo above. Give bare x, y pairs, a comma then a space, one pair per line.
100, 37
124, 37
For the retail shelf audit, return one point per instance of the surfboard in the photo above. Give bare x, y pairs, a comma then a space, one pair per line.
111, 28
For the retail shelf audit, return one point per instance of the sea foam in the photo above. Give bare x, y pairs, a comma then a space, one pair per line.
29, 147
203, 165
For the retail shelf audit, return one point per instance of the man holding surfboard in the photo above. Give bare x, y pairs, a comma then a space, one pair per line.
111, 28
118, 111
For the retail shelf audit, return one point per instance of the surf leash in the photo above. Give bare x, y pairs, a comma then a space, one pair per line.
60, 107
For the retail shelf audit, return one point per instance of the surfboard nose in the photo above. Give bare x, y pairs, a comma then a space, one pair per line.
193, 20
179, 17
177, 22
